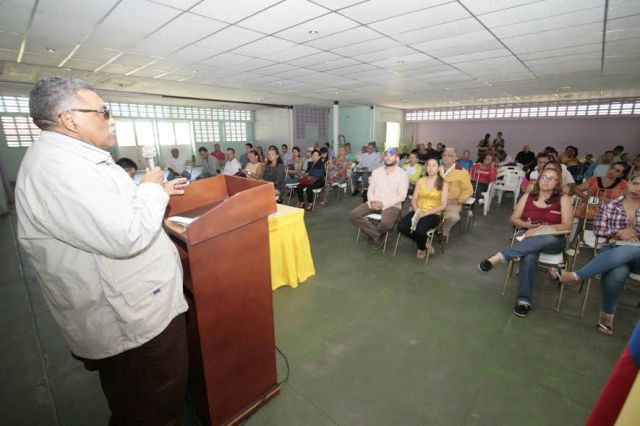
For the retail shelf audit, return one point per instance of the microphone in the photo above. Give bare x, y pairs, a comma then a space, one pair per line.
149, 153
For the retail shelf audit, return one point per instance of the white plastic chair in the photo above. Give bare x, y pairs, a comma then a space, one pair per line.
508, 180
290, 188
486, 199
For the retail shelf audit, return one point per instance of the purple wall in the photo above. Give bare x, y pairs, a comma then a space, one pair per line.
590, 135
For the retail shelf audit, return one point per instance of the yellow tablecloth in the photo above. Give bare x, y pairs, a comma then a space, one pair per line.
291, 261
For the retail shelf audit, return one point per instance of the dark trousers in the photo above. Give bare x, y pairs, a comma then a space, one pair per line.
480, 188
424, 225
377, 230
147, 385
318, 183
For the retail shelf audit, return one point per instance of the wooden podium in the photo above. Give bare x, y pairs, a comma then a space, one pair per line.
225, 257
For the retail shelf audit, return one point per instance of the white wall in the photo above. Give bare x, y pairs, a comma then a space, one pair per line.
590, 135
271, 127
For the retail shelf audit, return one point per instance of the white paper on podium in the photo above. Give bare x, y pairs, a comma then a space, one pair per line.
182, 220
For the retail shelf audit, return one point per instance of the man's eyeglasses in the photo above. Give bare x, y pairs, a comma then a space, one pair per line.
106, 114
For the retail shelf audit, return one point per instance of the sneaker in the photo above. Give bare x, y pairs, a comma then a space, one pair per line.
521, 310
485, 265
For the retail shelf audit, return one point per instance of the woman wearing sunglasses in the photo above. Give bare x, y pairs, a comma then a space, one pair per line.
544, 205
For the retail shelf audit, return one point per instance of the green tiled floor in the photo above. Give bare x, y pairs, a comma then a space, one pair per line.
371, 340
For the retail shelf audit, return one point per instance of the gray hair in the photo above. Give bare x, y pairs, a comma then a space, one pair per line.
450, 150
51, 96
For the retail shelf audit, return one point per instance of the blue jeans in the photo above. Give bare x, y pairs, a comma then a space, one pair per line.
614, 265
528, 250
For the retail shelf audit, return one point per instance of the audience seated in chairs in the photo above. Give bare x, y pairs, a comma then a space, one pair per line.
210, 164
601, 165
618, 221
611, 186
545, 205
295, 167
527, 158
567, 179
336, 172
352, 157
128, 165
503, 159
414, 170
635, 167
369, 161
253, 169
532, 177
312, 179
465, 162
482, 174
232, 166
260, 151
177, 166
460, 189
429, 201
387, 190
274, 172
570, 157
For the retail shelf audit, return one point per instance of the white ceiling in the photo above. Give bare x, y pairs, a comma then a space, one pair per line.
398, 53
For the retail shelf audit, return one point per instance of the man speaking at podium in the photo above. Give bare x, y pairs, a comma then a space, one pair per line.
111, 276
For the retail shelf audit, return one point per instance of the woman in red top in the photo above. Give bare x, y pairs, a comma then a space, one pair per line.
545, 205
482, 174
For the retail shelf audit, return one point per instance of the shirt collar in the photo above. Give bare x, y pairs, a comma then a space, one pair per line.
447, 171
75, 146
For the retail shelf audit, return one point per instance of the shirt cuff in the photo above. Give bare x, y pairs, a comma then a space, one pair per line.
155, 191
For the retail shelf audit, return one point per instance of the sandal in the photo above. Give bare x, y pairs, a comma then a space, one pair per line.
301, 205
421, 254
432, 250
309, 207
605, 323
556, 274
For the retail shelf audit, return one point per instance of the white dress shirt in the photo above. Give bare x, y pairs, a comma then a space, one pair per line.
232, 167
111, 276
177, 164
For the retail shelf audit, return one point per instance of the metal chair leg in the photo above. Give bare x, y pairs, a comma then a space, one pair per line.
396, 247
559, 297
384, 247
358, 235
506, 278
584, 300
560, 267
429, 244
